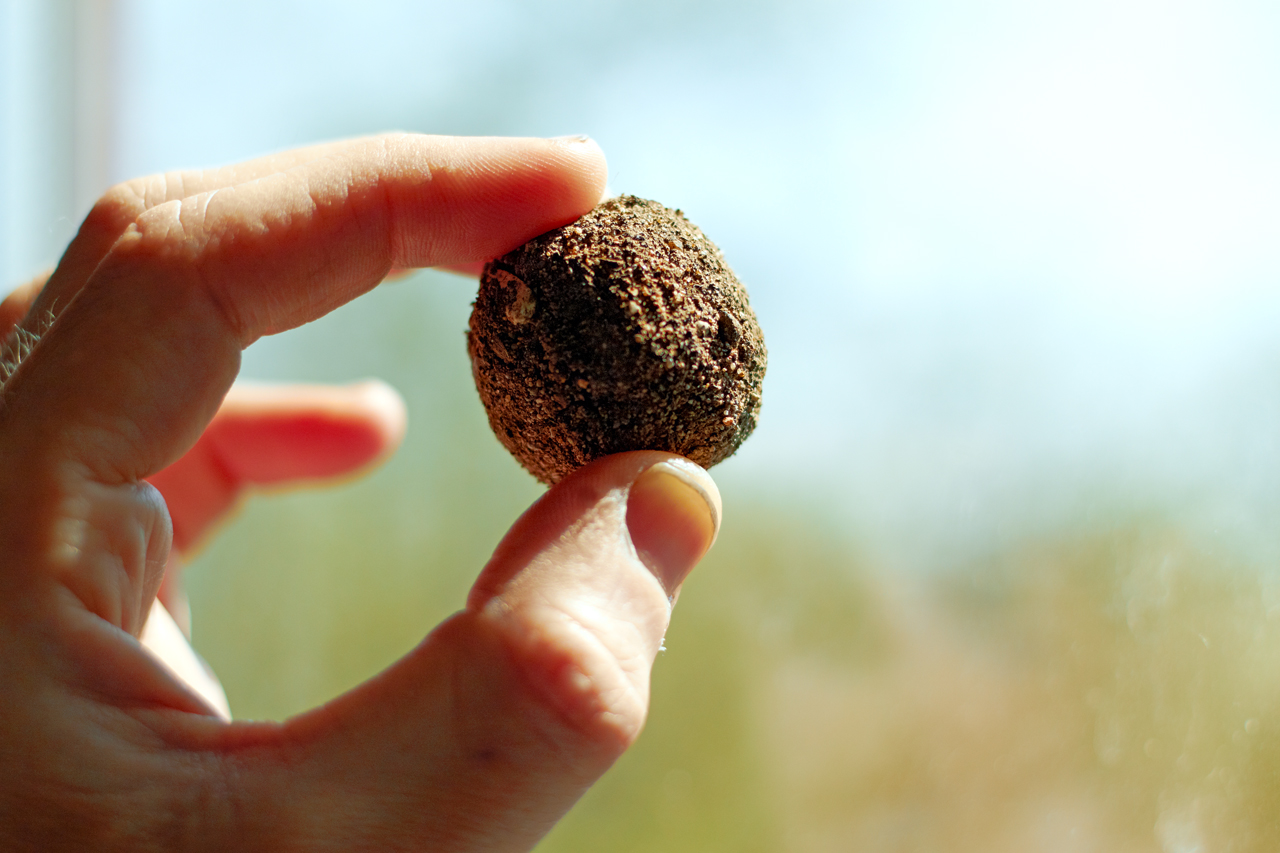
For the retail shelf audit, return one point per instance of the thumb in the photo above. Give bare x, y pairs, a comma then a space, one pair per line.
486, 734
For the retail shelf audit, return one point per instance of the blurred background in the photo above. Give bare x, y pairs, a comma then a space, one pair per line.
998, 569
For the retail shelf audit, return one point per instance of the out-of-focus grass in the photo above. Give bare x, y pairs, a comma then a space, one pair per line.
1112, 688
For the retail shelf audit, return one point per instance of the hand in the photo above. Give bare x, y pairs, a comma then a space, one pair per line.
479, 738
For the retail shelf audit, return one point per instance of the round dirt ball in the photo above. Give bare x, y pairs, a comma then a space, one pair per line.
625, 330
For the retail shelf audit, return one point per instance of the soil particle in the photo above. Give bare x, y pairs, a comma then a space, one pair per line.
625, 330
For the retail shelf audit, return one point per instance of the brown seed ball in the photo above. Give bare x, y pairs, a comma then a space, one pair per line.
625, 330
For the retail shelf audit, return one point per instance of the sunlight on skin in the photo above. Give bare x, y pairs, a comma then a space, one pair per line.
482, 736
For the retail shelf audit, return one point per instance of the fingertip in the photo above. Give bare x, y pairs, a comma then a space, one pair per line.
272, 434
571, 177
555, 181
667, 508
463, 200
673, 517
584, 155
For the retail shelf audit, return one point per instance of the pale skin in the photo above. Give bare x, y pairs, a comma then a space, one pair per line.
123, 443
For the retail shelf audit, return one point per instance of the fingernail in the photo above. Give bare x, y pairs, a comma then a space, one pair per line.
575, 137
673, 515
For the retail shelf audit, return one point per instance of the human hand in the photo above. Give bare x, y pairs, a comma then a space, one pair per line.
479, 738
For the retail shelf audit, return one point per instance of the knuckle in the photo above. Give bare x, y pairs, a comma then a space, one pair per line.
593, 699
116, 210
169, 246
125, 203
152, 240
111, 553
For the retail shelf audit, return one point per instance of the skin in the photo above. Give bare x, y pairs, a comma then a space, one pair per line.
123, 443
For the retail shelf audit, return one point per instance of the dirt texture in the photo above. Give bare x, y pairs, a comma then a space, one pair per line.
625, 330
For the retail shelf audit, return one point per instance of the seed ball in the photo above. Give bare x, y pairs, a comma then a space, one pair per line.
625, 330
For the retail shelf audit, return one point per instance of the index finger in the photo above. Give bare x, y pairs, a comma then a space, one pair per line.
125, 202
137, 364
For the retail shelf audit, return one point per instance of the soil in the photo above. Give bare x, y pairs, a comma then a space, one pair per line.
625, 330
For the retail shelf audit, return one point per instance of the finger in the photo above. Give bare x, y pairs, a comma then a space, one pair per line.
483, 736
124, 203
272, 435
207, 275
120, 206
